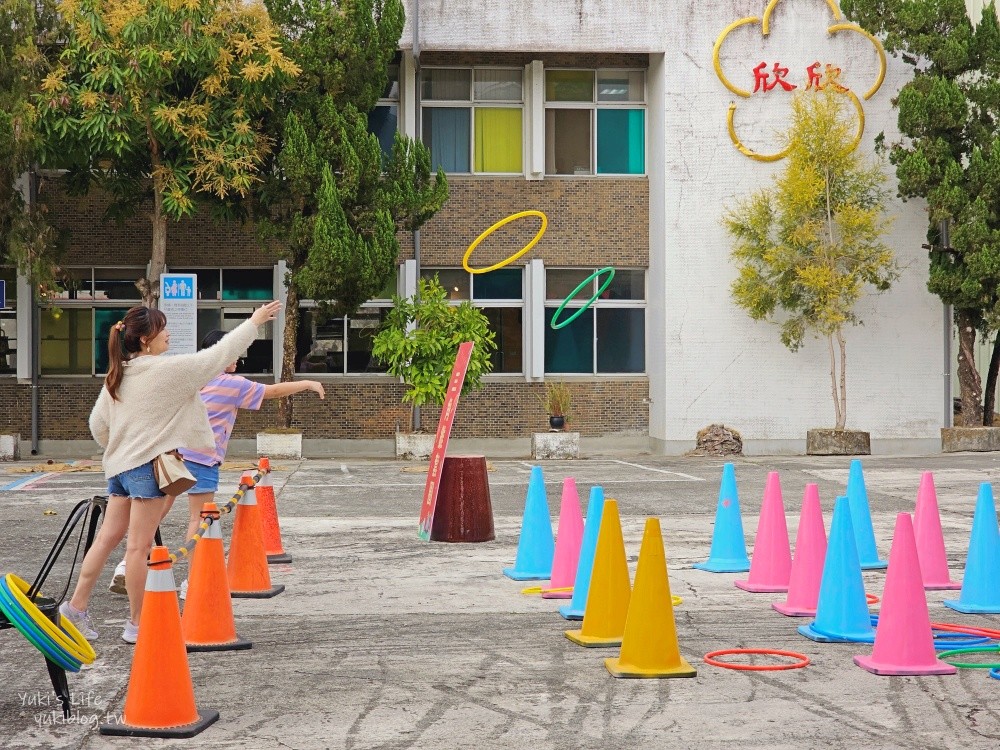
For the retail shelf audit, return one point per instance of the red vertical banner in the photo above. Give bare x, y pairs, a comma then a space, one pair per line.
441, 438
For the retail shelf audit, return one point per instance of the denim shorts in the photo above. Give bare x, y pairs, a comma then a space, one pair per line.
138, 483
206, 477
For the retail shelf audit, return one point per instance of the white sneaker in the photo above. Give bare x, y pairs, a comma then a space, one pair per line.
118, 582
184, 589
80, 619
131, 632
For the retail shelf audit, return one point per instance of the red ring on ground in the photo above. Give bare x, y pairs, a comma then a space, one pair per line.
803, 660
950, 627
872, 599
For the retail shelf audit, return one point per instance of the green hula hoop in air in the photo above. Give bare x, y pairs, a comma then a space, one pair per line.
600, 290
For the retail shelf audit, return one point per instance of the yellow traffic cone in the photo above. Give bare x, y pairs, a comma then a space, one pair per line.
649, 648
610, 588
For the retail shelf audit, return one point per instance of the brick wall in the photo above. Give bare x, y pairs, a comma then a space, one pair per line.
365, 409
592, 222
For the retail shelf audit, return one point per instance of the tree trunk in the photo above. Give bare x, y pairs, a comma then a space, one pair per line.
149, 286
288, 353
843, 381
833, 380
969, 382
991, 384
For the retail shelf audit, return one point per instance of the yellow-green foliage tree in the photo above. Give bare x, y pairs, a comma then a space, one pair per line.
807, 247
162, 97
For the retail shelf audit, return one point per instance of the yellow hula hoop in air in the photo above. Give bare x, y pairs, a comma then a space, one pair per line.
492, 229
66, 635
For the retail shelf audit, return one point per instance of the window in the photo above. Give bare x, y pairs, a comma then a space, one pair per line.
8, 323
227, 297
341, 345
472, 119
609, 337
595, 117
500, 296
383, 120
75, 326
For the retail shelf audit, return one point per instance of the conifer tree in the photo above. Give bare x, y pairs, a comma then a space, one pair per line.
949, 114
330, 205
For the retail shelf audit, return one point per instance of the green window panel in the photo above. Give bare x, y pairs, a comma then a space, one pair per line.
621, 141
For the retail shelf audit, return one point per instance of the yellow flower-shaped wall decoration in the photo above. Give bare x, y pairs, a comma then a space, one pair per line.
818, 77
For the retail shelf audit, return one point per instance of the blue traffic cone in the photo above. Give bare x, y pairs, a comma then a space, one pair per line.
842, 611
536, 546
729, 549
981, 581
581, 585
861, 517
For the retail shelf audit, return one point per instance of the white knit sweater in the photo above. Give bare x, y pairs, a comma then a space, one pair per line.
158, 407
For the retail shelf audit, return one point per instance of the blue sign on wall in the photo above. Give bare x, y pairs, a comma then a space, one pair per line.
3, 294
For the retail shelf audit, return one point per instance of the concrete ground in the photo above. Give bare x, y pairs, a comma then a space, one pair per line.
384, 641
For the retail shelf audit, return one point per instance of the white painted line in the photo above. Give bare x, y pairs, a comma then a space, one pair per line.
602, 482
661, 471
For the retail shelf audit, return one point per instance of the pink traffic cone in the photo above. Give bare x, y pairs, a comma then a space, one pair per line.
904, 644
568, 540
810, 553
771, 565
930, 540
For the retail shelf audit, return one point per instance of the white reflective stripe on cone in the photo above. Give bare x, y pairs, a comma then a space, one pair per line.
249, 497
213, 531
160, 579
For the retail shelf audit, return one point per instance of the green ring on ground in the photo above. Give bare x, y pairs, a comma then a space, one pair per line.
571, 295
971, 650
49, 649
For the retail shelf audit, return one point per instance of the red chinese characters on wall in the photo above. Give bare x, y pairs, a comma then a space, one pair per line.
767, 80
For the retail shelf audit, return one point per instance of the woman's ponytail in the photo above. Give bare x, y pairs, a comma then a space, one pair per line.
125, 340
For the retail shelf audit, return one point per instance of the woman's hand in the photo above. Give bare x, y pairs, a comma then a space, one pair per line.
316, 388
265, 313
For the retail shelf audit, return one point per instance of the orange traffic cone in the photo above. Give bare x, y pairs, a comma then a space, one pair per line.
207, 622
247, 565
269, 516
160, 698
649, 646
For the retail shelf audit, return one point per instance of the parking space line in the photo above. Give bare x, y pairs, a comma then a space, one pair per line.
661, 471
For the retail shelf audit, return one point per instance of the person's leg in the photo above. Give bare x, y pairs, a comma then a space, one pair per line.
112, 531
145, 517
118, 584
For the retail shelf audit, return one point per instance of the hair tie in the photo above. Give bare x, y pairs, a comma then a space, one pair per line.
120, 326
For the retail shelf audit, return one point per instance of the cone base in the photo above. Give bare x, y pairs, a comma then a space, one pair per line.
521, 575
875, 565
761, 588
815, 635
972, 609
790, 610
206, 718
724, 566
237, 645
265, 594
617, 669
557, 595
568, 613
281, 557
943, 586
592, 641
869, 664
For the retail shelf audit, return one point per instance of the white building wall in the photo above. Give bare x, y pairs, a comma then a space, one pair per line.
707, 360
721, 366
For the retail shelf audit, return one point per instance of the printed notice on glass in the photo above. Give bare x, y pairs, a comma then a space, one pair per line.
179, 302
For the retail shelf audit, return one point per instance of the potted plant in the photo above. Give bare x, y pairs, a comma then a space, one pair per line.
806, 248
418, 343
556, 401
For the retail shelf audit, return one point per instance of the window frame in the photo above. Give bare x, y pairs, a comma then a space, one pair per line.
472, 104
493, 303
596, 306
594, 106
